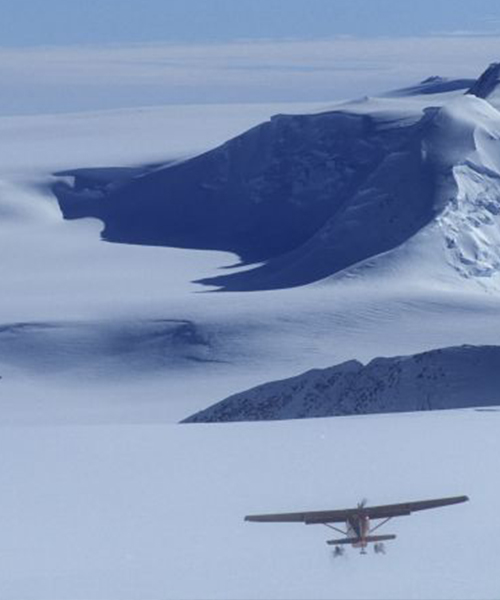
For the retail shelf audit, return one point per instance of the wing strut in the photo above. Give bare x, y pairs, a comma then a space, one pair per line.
335, 528
380, 524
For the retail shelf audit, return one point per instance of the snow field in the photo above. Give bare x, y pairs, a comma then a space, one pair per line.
136, 512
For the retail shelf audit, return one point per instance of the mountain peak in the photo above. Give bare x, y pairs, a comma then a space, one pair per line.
433, 79
488, 84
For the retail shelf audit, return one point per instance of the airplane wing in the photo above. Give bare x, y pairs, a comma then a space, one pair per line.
322, 516
406, 508
340, 516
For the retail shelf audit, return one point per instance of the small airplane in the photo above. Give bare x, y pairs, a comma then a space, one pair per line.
359, 531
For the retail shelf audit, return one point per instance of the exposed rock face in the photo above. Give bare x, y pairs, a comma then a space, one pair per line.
488, 85
455, 377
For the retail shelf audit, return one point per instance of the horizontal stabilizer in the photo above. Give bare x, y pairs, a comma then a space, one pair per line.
369, 539
343, 541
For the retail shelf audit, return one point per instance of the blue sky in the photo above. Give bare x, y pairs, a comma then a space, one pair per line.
41, 22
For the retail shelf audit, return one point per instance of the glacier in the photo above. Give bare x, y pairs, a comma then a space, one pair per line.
104, 347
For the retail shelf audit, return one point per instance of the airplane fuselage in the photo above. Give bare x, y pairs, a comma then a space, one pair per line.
358, 527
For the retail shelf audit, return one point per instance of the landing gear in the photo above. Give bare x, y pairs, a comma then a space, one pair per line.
338, 551
379, 548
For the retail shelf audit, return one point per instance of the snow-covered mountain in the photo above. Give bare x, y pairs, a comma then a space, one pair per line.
309, 195
115, 336
446, 378
488, 85
108, 313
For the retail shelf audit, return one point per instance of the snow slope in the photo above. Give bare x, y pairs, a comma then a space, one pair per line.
73, 307
102, 345
446, 378
76, 308
134, 512
313, 194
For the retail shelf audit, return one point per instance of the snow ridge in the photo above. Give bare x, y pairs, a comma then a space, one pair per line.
465, 141
488, 85
455, 377
311, 195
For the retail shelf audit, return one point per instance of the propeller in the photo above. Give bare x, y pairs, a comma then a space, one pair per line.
362, 504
